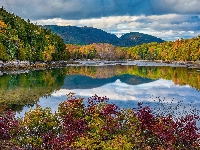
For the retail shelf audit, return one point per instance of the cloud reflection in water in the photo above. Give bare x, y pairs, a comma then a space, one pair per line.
142, 92
127, 96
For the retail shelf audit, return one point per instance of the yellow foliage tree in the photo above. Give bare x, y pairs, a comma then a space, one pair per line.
2, 27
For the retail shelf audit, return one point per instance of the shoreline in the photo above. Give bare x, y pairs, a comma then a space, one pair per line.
25, 66
139, 63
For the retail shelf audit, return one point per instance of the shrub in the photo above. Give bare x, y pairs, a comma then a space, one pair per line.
97, 125
9, 128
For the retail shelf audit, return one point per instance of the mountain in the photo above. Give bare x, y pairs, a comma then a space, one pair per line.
82, 35
136, 38
88, 35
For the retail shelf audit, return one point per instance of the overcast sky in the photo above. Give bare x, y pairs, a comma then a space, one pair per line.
166, 19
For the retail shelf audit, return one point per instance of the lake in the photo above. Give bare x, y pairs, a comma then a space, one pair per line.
166, 89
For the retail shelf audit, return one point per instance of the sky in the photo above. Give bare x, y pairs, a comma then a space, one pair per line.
166, 19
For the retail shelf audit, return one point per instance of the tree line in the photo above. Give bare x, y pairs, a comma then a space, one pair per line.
103, 51
179, 50
23, 40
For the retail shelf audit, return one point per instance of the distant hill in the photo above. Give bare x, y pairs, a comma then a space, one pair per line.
136, 38
82, 35
89, 35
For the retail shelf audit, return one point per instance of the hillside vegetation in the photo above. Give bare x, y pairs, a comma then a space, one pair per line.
82, 35
179, 50
22, 40
136, 38
88, 35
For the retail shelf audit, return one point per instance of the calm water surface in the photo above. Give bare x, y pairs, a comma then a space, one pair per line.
124, 85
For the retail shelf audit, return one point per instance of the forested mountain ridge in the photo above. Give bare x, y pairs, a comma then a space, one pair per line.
22, 40
88, 35
136, 38
179, 50
82, 35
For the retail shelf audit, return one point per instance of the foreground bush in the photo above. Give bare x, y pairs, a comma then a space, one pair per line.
99, 125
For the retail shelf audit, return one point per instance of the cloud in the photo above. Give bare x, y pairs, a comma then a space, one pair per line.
167, 27
82, 9
167, 19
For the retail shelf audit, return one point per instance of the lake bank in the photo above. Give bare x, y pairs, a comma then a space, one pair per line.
23, 66
139, 63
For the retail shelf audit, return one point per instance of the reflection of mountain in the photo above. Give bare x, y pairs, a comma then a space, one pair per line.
18, 90
85, 82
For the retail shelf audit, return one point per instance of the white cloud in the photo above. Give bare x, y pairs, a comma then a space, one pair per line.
167, 27
155, 17
97, 8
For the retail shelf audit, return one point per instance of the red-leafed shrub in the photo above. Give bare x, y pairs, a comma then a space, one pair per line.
97, 125
9, 128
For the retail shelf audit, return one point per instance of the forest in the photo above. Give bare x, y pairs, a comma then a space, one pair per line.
179, 50
89, 35
23, 40
96, 124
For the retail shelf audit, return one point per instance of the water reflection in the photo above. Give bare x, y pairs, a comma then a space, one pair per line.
124, 85
25, 89
85, 82
127, 96
123, 94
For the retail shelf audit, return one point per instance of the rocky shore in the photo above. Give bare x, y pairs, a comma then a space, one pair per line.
27, 65
139, 63
16, 67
